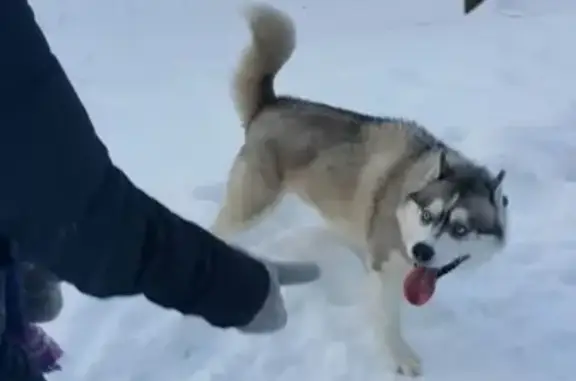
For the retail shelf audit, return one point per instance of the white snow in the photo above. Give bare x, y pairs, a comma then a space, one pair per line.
498, 84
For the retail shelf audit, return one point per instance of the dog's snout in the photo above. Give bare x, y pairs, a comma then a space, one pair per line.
422, 252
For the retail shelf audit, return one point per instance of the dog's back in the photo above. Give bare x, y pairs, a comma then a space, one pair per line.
320, 152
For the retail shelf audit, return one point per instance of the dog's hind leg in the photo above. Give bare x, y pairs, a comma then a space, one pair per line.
253, 188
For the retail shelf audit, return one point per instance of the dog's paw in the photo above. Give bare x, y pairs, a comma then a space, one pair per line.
407, 362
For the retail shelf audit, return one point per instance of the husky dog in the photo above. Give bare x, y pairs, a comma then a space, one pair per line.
417, 207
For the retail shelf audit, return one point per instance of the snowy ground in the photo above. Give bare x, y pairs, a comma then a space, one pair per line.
498, 84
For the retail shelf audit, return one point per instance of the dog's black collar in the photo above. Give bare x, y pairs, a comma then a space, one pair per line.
450, 266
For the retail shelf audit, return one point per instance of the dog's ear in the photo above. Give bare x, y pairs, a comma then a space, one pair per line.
499, 178
437, 168
497, 182
444, 168
497, 188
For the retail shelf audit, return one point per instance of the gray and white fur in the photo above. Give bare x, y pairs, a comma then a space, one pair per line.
387, 185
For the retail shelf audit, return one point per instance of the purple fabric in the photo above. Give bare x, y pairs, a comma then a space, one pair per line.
43, 351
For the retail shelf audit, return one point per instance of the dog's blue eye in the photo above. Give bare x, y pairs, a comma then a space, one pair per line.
458, 230
426, 217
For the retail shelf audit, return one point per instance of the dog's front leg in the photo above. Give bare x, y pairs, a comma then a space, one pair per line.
388, 315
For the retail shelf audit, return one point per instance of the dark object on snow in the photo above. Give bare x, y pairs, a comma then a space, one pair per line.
470, 5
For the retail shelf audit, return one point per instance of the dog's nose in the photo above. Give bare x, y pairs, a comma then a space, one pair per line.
422, 252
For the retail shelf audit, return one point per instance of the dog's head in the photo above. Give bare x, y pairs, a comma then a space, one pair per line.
458, 216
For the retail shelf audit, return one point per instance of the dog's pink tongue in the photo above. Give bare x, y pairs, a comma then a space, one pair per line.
419, 285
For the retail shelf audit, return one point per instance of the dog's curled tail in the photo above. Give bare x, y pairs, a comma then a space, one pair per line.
273, 41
